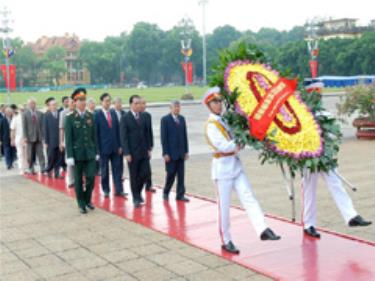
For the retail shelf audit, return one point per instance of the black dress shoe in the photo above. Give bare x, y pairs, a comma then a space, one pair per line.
141, 200
83, 210
229, 247
183, 199
71, 185
268, 234
121, 194
106, 194
58, 176
90, 206
165, 197
311, 231
358, 221
150, 189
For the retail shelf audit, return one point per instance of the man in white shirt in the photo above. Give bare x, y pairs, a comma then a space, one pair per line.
228, 174
63, 114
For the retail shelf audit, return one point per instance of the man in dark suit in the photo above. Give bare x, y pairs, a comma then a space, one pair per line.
148, 119
117, 108
174, 141
51, 138
2, 108
9, 150
108, 138
136, 146
32, 123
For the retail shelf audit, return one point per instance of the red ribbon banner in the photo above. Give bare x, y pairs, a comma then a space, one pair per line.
262, 116
188, 67
12, 76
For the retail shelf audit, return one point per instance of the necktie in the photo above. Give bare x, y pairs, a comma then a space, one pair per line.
33, 117
109, 119
137, 117
177, 120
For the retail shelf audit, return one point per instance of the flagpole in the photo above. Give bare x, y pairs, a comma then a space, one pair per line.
204, 56
5, 29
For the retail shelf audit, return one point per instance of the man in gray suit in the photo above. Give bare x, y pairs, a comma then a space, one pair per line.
32, 122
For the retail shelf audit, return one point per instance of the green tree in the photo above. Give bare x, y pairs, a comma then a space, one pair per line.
144, 51
54, 63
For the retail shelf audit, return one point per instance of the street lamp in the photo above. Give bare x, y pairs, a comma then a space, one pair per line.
8, 51
187, 26
313, 45
203, 3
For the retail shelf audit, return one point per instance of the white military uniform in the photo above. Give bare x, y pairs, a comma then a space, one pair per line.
338, 192
228, 174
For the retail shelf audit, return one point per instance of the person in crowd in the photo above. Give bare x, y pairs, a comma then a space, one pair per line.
81, 149
120, 112
109, 145
91, 105
2, 115
137, 146
17, 138
118, 109
9, 150
64, 104
52, 139
32, 123
175, 150
148, 118
63, 114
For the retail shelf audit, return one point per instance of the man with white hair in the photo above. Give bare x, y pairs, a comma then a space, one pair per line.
32, 122
52, 139
63, 115
91, 105
175, 150
228, 174
120, 112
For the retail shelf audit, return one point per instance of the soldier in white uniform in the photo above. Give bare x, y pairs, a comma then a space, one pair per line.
228, 174
338, 192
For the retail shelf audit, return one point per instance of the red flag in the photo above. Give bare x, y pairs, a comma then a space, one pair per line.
188, 67
12, 76
262, 116
314, 68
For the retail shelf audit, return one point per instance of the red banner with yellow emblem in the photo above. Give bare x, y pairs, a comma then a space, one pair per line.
263, 115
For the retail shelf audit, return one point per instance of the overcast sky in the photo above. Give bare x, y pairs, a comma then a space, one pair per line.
92, 19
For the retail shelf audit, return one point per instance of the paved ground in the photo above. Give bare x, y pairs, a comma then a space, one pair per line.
42, 236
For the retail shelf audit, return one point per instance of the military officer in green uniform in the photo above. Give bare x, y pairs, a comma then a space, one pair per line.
81, 149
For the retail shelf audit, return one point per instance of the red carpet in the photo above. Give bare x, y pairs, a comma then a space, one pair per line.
294, 257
